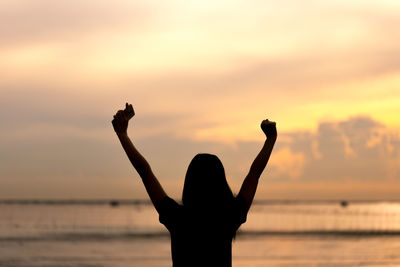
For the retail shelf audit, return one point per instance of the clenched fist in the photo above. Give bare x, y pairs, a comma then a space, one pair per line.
122, 117
269, 128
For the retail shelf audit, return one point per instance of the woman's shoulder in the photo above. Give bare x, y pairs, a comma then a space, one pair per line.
169, 210
168, 203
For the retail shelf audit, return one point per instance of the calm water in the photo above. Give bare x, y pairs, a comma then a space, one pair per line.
275, 234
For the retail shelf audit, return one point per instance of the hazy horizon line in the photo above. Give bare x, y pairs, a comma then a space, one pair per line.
143, 201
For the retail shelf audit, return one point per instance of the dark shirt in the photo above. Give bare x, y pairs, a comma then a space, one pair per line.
202, 238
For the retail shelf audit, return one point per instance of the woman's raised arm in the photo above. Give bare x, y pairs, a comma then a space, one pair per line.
249, 186
152, 185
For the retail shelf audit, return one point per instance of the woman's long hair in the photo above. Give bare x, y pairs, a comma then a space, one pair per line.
205, 186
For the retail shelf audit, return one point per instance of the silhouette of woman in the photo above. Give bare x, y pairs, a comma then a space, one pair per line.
203, 227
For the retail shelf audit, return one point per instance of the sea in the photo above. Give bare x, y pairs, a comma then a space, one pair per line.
122, 233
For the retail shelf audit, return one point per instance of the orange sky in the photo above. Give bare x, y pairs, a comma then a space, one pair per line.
201, 76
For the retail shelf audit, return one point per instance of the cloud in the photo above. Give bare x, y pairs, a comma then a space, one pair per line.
294, 42
305, 157
171, 59
201, 80
359, 148
286, 163
25, 22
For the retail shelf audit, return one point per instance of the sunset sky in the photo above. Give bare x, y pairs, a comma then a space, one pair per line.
201, 76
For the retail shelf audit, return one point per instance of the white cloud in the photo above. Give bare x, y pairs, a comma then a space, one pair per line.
287, 163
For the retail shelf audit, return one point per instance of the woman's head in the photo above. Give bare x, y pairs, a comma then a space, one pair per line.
205, 183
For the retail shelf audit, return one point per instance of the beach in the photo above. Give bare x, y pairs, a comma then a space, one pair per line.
274, 251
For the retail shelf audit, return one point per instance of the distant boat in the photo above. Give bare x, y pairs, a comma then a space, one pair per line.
114, 203
344, 203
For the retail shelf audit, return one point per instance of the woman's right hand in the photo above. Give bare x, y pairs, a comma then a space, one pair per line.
121, 119
269, 128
